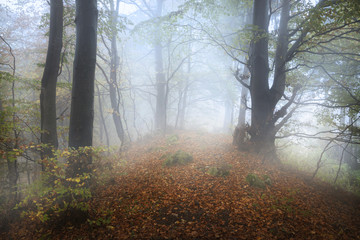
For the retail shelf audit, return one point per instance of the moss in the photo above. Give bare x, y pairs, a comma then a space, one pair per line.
219, 171
267, 180
172, 139
255, 181
178, 158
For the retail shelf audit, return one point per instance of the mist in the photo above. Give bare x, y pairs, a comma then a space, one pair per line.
178, 119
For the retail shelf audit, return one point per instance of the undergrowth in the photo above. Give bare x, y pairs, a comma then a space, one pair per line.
305, 160
58, 199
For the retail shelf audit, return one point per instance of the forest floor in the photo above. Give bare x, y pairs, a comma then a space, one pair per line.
142, 199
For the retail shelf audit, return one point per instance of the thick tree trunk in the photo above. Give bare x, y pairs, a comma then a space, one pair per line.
261, 113
160, 112
82, 104
49, 80
264, 99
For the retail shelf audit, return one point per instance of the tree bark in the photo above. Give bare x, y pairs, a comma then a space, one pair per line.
259, 67
82, 101
49, 80
263, 98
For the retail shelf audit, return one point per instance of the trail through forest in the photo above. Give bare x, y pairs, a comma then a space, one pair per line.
143, 199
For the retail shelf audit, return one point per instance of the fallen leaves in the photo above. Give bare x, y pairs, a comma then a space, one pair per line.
184, 202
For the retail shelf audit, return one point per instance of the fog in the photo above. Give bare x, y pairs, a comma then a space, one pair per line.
173, 76
200, 55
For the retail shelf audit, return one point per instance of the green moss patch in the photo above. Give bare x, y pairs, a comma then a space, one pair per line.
256, 181
220, 171
178, 158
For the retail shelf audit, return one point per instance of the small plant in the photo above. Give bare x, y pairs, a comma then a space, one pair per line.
220, 171
178, 158
172, 139
255, 181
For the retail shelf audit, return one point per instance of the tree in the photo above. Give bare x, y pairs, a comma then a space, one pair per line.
111, 26
82, 101
49, 80
160, 111
155, 15
268, 116
239, 135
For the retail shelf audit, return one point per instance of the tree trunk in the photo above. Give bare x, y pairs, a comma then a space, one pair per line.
228, 116
239, 137
160, 112
82, 101
264, 99
49, 80
102, 118
184, 105
243, 99
113, 85
261, 113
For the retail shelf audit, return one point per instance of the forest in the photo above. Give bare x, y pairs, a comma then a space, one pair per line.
180, 119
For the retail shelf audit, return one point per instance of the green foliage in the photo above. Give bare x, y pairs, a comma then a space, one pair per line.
56, 195
354, 181
304, 158
107, 27
178, 158
220, 171
255, 181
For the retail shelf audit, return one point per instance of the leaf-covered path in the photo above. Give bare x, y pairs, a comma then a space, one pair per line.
145, 200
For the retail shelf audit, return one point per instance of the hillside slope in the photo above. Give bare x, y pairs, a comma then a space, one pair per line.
146, 200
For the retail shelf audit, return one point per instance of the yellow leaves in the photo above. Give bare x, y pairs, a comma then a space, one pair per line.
65, 153
77, 179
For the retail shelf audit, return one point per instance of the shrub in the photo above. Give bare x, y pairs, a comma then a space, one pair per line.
56, 197
178, 158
